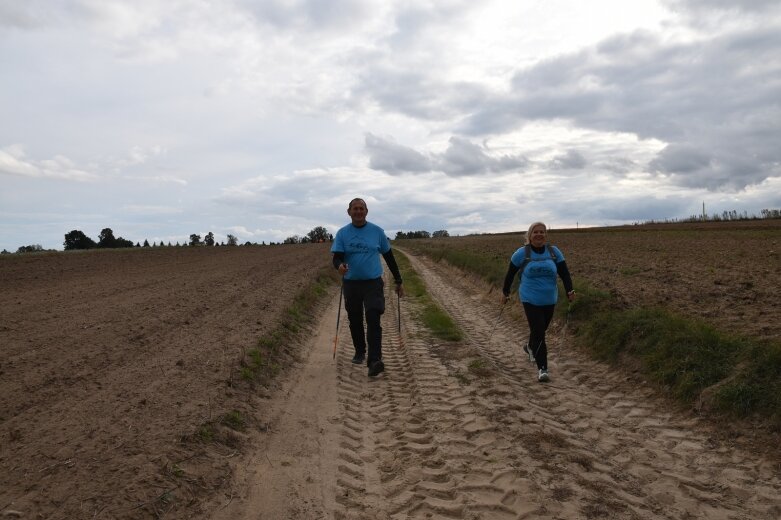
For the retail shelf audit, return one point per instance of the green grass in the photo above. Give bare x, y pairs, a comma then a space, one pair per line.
234, 420
480, 368
265, 360
692, 361
490, 266
431, 314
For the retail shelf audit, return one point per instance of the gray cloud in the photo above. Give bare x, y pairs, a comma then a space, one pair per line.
641, 208
393, 158
715, 102
570, 160
461, 158
311, 15
708, 6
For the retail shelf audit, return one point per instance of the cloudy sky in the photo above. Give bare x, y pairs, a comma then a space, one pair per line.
262, 119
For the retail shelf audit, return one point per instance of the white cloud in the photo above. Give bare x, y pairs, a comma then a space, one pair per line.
13, 161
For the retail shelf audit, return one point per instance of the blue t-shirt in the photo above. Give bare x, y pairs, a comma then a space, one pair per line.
538, 279
362, 247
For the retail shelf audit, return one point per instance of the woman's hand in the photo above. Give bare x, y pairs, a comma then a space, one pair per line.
571, 295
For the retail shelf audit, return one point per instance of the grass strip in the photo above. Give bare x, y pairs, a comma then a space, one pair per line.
262, 362
436, 319
693, 362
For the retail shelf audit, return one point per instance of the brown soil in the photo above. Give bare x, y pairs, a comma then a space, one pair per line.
113, 361
725, 273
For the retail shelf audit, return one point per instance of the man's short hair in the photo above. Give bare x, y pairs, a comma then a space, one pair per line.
356, 199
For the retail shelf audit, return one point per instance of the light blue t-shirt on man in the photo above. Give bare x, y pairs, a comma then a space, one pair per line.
362, 247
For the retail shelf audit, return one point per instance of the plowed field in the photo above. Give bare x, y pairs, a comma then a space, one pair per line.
113, 361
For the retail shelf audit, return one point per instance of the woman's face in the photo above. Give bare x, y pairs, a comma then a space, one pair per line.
539, 234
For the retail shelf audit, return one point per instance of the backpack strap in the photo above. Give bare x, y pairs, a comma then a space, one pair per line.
528, 256
526, 259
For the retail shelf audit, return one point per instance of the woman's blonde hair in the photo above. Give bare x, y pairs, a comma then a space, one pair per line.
531, 228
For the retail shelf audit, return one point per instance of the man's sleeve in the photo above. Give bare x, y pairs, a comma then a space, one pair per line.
338, 259
392, 265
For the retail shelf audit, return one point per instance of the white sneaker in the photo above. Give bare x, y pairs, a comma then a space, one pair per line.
543, 376
528, 352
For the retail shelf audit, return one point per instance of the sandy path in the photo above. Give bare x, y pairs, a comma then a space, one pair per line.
465, 431
291, 474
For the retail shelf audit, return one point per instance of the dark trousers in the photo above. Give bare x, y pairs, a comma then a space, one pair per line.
365, 297
539, 317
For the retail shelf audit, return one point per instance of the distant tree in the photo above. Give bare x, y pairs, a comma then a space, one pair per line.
247, 243
138, 245
121, 242
30, 249
77, 240
209, 240
295, 239
106, 238
232, 240
412, 234
318, 234
5, 252
146, 243
440, 233
195, 240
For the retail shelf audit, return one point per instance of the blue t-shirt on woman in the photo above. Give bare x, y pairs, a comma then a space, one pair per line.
538, 279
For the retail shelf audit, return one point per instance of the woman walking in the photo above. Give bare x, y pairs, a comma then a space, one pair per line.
539, 264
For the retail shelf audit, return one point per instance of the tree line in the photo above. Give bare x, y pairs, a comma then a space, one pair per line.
400, 235
724, 216
78, 240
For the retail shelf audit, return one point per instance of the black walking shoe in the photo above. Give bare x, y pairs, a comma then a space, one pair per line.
376, 368
358, 359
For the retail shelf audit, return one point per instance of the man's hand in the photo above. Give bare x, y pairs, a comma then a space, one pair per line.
399, 290
343, 268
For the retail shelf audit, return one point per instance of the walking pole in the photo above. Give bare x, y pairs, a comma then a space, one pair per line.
338, 315
501, 309
398, 311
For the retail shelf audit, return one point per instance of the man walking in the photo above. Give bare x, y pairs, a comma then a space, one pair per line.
357, 248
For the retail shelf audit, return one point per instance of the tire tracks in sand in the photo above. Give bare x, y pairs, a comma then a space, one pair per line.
418, 442
432, 439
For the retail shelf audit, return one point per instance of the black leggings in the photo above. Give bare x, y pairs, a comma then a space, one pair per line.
539, 317
365, 297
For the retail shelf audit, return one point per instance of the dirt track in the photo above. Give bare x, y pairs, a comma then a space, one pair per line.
465, 431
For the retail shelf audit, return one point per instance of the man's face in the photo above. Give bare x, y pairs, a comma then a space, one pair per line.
357, 212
